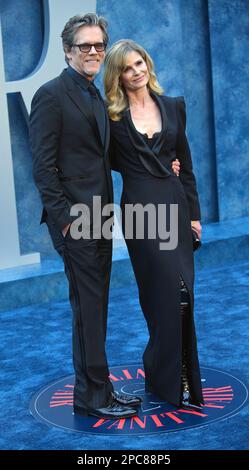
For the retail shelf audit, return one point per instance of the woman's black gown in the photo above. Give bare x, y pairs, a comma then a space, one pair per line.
145, 166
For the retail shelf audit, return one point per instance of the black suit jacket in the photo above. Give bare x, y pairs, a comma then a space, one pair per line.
70, 159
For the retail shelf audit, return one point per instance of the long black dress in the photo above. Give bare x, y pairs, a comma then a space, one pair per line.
145, 166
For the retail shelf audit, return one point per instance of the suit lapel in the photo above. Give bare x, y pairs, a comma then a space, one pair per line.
100, 118
74, 92
163, 134
107, 131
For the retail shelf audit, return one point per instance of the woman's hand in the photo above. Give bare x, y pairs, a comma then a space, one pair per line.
65, 230
196, 225
176, 166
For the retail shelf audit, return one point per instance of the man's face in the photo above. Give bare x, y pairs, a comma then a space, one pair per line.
87, 63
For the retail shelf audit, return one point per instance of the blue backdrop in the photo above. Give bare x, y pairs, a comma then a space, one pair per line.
199, 49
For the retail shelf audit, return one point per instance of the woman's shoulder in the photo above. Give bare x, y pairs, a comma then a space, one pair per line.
117, 123
173, 100
118, 128
176, 103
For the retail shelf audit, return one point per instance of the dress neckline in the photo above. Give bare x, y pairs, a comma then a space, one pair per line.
156, 134
140, 140
146, 135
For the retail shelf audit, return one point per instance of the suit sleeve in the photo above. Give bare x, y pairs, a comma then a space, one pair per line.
183, 153
44, 131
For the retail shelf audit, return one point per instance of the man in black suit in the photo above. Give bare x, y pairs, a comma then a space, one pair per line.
69, 135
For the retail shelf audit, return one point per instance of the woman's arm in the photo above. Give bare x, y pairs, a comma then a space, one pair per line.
183, 153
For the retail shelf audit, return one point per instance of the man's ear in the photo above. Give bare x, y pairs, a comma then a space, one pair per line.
68, 52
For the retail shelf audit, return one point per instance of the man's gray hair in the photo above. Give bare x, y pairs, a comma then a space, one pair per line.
76, 22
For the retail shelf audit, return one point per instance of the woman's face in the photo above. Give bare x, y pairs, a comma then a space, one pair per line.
135, 74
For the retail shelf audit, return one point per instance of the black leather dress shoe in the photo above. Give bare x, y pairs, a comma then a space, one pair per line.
127, 399
113, 411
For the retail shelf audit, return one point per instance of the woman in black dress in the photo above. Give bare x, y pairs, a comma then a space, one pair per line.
147, 134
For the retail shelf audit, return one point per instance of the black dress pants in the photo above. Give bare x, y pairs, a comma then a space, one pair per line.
87, 266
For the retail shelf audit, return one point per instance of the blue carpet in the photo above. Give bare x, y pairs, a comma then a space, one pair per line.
36, 349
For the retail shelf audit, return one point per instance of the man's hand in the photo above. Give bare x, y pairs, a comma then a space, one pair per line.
196, 225
176, 166
65, 230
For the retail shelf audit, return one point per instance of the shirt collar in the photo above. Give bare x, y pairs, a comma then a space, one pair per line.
82, 81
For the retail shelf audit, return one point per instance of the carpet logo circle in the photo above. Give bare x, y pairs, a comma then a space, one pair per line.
224, 395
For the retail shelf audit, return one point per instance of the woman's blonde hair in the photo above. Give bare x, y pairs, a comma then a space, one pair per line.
115, 63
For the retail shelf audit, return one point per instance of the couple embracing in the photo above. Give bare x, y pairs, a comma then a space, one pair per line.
76, 139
